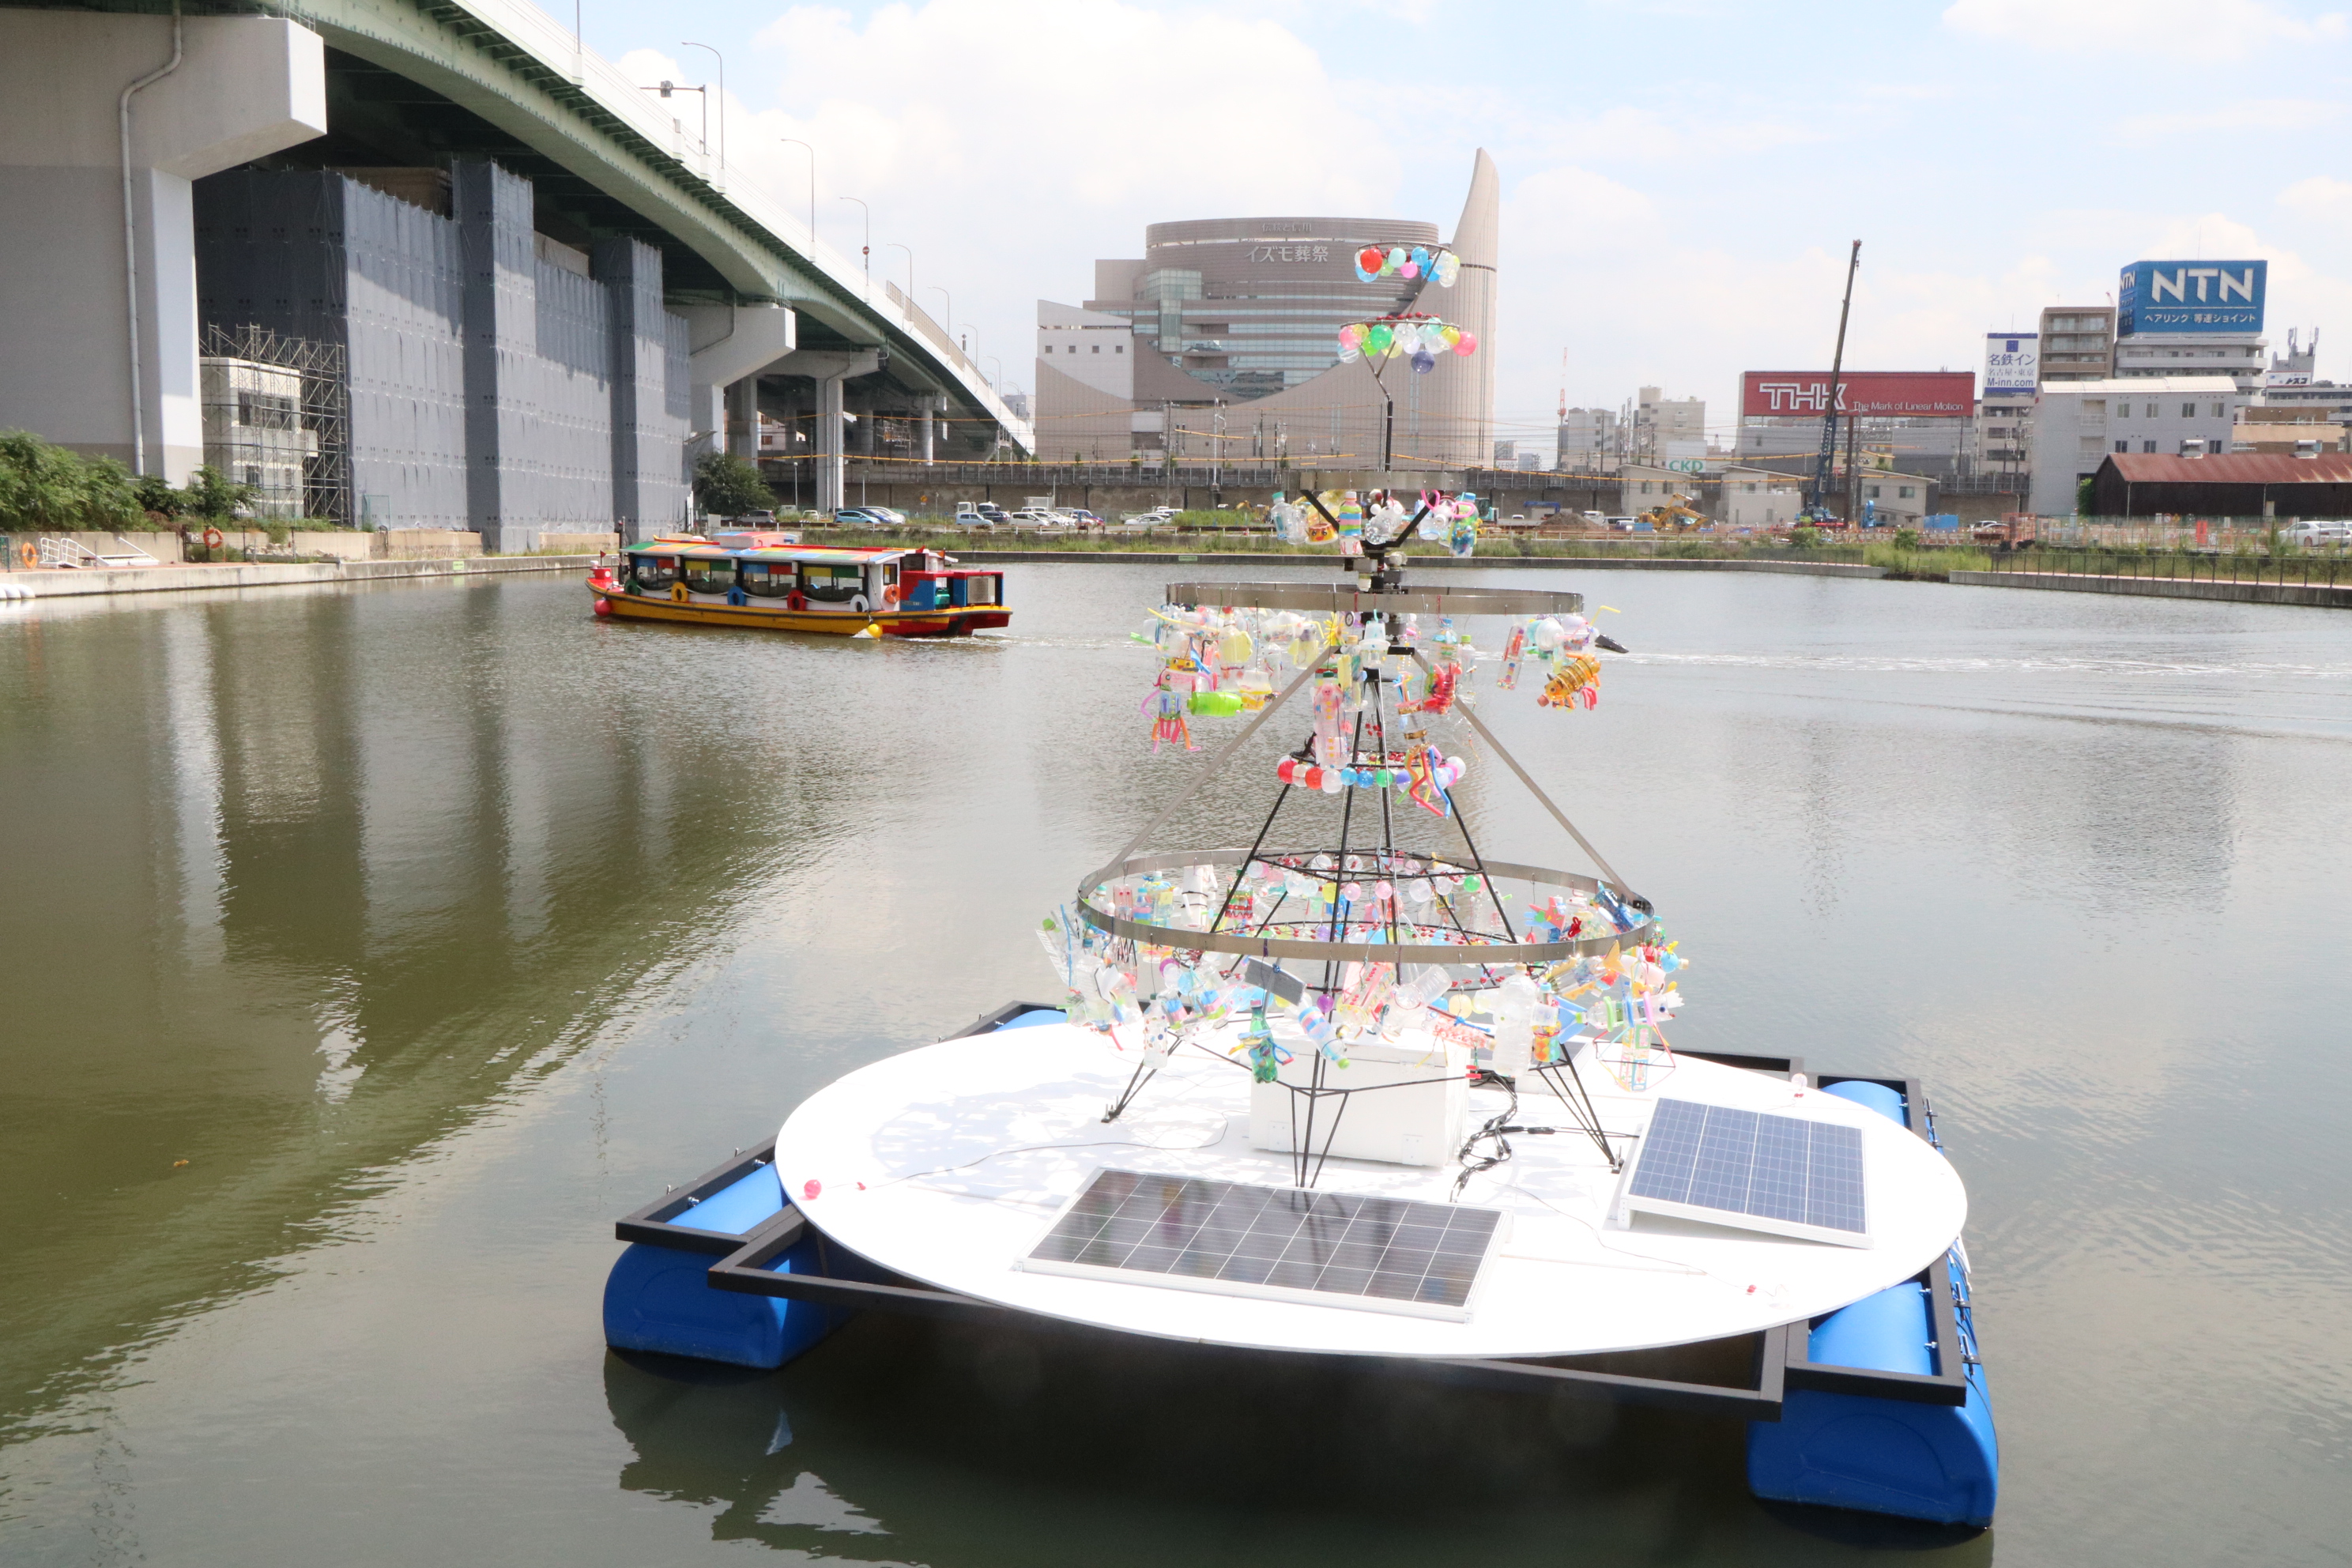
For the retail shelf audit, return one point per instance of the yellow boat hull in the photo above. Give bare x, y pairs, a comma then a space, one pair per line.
955, 623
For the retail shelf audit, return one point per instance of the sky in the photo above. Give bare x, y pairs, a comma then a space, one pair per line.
1681, 179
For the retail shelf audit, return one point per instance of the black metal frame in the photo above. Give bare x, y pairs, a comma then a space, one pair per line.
1777, 1356
655, 1223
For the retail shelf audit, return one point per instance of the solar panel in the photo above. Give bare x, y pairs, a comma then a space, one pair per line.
1787, 1174
1330, 1249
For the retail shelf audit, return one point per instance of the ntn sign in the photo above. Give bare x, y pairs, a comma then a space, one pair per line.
1862, 393
2191, 297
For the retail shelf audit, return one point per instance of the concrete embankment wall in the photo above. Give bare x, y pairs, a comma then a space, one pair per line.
2339, 597
1563, 562
261, 574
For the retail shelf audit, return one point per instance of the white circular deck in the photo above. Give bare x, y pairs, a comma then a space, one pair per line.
968, 1149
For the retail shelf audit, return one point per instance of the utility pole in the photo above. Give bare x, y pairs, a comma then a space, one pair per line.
1837, 368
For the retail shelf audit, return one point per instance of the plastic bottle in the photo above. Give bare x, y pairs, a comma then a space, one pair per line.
1512, 1004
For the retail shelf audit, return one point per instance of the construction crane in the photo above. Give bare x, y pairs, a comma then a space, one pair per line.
1817, 503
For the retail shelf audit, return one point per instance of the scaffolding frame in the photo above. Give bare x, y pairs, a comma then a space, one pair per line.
325, 406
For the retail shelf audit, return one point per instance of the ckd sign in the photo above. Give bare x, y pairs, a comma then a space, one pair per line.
2191, 297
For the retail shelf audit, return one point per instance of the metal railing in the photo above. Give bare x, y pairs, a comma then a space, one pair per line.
2316, 570
557, 50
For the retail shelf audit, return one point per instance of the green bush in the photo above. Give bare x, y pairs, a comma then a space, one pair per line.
1906, 538
728, 486
1804, 539
43, 486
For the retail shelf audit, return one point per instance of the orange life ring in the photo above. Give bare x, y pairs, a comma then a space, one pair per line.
213, 540
28, 555
890, 598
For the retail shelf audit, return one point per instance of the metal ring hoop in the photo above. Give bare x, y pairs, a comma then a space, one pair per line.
1182, 940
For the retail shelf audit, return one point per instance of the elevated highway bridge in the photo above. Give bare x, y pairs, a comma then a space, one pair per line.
383, 91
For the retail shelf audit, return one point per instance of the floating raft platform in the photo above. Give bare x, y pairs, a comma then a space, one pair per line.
1875, 1403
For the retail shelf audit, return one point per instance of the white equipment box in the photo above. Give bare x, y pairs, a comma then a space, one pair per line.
1414, 1114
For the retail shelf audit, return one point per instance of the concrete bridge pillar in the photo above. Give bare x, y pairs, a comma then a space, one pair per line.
926, 449
73, 298
829, 371
729, 347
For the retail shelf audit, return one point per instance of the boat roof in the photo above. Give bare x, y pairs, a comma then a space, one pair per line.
831, 554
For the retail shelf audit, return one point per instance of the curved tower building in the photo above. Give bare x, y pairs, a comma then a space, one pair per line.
1223, 339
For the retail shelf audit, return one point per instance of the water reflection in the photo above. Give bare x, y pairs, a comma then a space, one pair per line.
905, 1441
329, 893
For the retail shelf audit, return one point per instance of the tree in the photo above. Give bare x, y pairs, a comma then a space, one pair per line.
44, 486
728, 486
210, 495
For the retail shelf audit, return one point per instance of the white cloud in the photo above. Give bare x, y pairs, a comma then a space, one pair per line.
1012, 149
2319, 196
2242, 115
2185, 29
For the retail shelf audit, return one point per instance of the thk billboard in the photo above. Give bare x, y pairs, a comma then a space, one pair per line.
2011, 360
1864, 394
2191, 297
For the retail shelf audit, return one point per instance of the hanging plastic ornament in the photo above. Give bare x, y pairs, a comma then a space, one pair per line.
1367, 264
1423, 361
1468, 344
1406, 337
1376, 340
1411, 269
1349, 353
1420, 258
1447, 267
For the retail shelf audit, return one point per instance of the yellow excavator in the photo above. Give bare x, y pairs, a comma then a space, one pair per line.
1675, 515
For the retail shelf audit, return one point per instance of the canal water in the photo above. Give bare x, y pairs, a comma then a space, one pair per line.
368, 951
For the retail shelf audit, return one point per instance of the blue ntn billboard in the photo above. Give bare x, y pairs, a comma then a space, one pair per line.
2191, 297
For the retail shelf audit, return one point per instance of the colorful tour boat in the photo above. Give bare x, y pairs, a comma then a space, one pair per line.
768, 581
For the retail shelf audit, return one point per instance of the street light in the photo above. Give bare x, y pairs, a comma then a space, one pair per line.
867, 251
894, 245
792, 141
999, 383
722, 107
943, 294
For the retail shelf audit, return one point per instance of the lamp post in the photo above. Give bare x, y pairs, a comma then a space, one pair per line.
894, 245
722, 107
792, 142
999, 383
943, 294
867, 250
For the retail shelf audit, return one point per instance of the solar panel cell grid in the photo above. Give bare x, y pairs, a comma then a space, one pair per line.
1326, 1244
1788, 1169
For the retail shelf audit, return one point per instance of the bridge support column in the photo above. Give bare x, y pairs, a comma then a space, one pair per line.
743, 419
829, 371
731, 344
245, 87
927, 430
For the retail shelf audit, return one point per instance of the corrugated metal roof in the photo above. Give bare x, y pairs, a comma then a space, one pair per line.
2234, 468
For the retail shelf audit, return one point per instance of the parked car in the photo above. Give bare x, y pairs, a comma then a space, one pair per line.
1081, 517
1619, 524
2316, 531
979, 514
888, 514
861, 517
1031, 517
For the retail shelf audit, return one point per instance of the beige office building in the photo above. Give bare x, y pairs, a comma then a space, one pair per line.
1222, 343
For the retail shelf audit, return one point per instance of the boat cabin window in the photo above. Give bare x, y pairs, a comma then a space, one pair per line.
705, 576
981, 590
833, 585
655, 571
768, 579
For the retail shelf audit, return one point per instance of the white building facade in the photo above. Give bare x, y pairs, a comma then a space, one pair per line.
2077, 424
